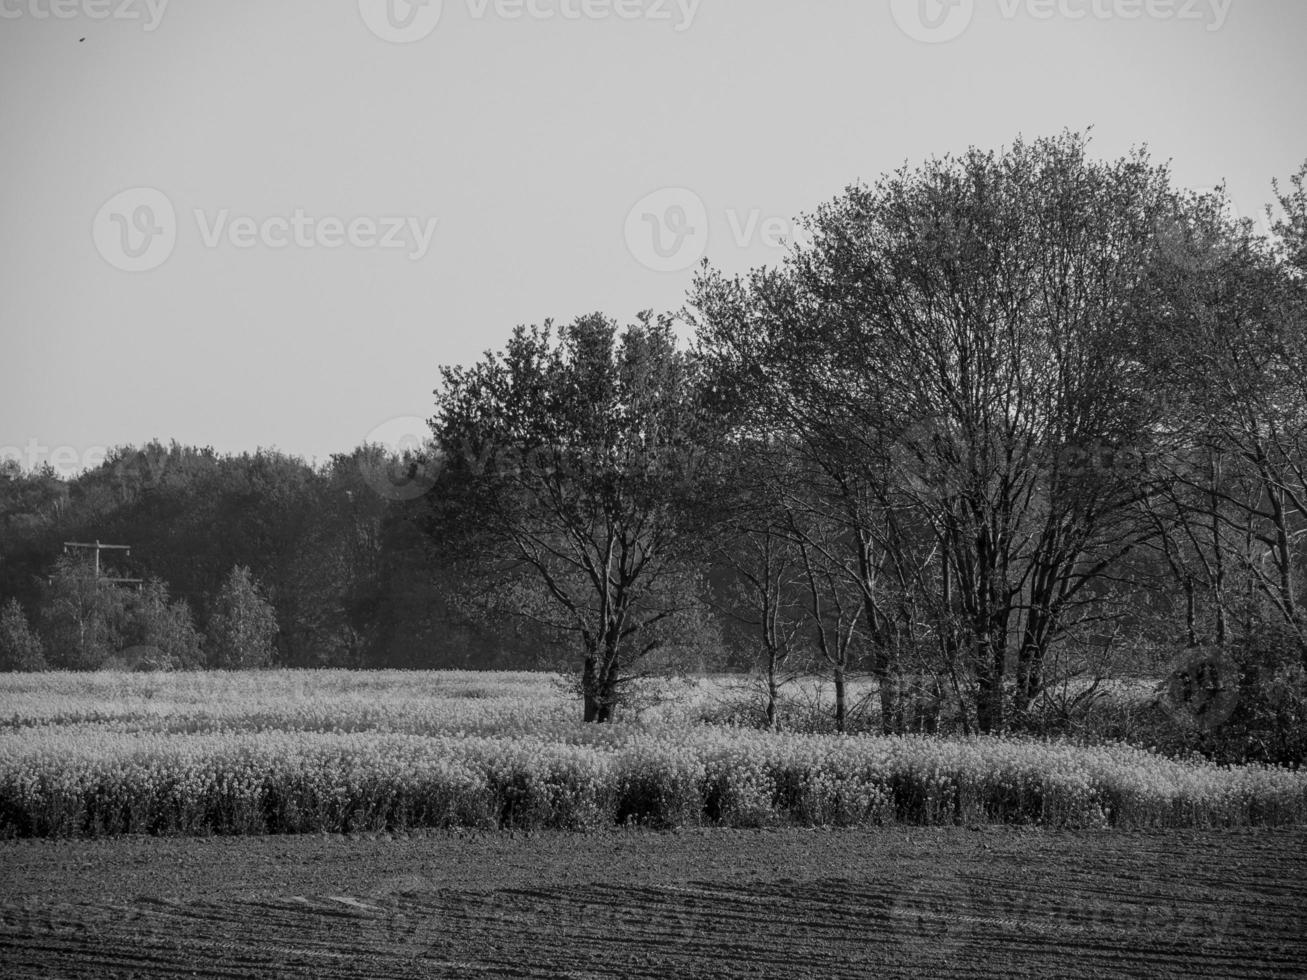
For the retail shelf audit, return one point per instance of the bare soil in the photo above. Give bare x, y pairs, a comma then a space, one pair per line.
699, 903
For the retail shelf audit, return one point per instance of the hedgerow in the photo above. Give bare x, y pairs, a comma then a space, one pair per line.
83, 781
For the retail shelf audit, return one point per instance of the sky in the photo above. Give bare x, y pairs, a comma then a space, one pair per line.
268, 223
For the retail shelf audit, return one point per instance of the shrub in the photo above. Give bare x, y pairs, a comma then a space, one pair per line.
291, 752
160, 632
1269, 721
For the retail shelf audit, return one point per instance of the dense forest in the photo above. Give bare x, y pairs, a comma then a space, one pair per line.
351, 577
1000, 419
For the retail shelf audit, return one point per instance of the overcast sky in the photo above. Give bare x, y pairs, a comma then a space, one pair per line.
246, 223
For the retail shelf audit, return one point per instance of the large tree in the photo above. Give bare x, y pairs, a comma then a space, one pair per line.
1229, 346
957, 349
570, 461
243, 627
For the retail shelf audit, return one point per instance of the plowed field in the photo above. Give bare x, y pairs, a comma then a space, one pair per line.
701, 903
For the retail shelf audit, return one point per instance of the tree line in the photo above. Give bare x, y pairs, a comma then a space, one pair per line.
1001, 418
349, 578
88, 622
1004, 417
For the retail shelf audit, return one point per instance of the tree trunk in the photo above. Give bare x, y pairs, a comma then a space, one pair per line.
1190, 613
926, 716
949, 646
841, 706
1284, 563
607, 693
990, 609
1030, 676
599, 680
1030, 660
772, 690
1218, 557
590, 689
883, 665
889, 706
989, 686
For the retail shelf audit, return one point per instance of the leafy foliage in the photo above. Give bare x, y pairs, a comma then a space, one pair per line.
1269, 722
82, 616
243, 626
570, 462
20, 647
163, 629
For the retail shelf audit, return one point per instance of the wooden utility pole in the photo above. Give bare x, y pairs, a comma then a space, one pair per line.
97, 547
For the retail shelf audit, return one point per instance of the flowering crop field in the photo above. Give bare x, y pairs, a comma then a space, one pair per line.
86, 755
